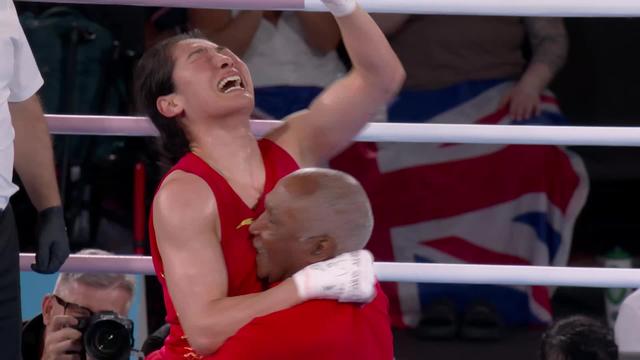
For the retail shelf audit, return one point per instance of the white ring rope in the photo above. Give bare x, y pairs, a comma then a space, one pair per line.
101, 125
403, 272
385, 132
564, 8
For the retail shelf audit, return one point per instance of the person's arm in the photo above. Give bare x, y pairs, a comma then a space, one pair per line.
222, 28
34, 154
549, 46
186, 224
34, 165
315, 135
320, 31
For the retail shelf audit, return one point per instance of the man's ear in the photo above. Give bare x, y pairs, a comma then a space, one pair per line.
47, 309
322, 247
170, 105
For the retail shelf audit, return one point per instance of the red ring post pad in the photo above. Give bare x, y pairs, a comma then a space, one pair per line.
139, 214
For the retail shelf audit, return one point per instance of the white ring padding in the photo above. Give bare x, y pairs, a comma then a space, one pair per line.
555, 8
563, 8
403, 272
508, 275
384, 132
101, 125
202, 4
117, 264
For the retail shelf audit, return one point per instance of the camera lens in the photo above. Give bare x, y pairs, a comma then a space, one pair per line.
107, 339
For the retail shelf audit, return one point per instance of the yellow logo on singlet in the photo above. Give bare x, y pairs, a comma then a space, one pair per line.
245, 222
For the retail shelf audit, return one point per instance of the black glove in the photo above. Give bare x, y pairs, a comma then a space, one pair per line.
53, 244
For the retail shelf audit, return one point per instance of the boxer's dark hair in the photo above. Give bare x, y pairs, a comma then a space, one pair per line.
153, 79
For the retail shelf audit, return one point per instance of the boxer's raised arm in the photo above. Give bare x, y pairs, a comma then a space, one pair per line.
315, 135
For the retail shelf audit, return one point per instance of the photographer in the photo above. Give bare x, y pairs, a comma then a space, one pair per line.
80, 305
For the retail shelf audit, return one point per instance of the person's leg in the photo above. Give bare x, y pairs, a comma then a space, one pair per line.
10, 312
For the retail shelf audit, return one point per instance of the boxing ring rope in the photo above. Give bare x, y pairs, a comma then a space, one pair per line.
384, 132
403, 272
564, 8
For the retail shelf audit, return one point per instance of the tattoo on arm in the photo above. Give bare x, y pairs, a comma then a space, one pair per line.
549, 41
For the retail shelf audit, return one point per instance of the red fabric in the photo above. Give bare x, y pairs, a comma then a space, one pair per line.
317, 329
237, 248
156, 355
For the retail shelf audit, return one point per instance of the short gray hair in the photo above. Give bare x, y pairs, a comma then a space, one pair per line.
341, 206
97, 280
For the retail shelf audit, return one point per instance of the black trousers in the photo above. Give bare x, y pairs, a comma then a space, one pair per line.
10, 312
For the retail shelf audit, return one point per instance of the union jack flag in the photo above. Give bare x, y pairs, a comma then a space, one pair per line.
466, 203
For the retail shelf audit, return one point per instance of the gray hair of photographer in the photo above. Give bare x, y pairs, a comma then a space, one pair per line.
96, 280
578, 337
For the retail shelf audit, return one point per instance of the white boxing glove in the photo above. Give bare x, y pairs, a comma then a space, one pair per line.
346, 278
340, 7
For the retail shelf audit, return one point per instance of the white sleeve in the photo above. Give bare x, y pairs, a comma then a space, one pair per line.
26, 79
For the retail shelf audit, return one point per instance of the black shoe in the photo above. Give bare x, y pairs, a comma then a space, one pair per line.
439, 321
481, 322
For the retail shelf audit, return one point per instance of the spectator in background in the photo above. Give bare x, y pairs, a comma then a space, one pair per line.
292, 55
456, 50
53, 334
471, 70
578, 338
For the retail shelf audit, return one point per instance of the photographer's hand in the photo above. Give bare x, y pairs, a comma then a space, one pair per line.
63, 341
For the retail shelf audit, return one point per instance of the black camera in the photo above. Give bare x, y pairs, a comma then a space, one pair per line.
106, 336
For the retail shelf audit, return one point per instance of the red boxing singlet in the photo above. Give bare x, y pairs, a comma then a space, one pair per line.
316, 330
235, 217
